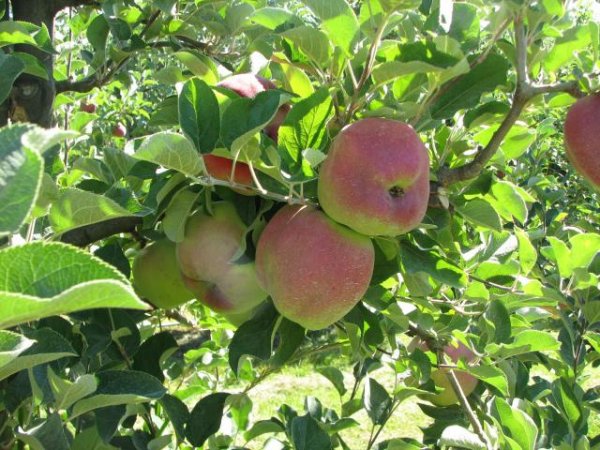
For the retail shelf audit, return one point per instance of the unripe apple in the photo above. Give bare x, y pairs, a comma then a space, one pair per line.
220, 168
249, 85
119, 130
375, 178
582, 137
87, 107
456, 351
314, 269
206, 259
156, 276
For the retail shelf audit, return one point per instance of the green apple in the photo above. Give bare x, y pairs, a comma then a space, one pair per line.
314, 269
156, 276
207, 260
375, 178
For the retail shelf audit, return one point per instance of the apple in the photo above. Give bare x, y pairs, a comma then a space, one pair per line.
220, 168
156, 276
456, 351
249, 85
582, 137
375, 178
206, 260
314, 269
119, 130
87, 107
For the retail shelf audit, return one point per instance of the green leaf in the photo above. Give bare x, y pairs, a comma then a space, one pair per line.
177, 413
568, 402
66, 393
520, 427
509, 201
199, 115
48, 346
172, 151
338, 20
377, 402
17, 32
10, 67
270, 17
527, 252
307, 435
415, 260
205, 418
591, 312
31, 287
76, 208
261, 427
562, 256
177, 212
117, 387
467, 90
253, 337
490, 375
150, 354
200, 65
97, 33
525, 342
291, 336
460, 437
46, 434
584, 247
21, 172
305, 128
481, 213
12, 345
336, 377
567, 47
244, 117
313, 43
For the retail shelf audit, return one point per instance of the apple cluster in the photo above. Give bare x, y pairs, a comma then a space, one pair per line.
315, 262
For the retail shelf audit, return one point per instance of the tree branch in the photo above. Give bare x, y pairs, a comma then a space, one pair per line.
524, 92
86, 235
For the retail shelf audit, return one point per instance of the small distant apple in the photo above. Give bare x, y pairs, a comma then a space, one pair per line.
87, 107
119, 130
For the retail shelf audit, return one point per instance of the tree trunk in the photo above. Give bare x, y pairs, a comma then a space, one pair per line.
31, 98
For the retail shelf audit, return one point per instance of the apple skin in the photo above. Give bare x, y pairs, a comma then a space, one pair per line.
205, 258
314, 269
455, 350
375, 178
582, 137
87, 107
220, 168
156, 276
119, 130
249, 85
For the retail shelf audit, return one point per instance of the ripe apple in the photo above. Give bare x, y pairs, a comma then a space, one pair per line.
314, 269
220, 168
119, 130
249, 85
87, 107
206, 260
156, 276
582, 137
456, 351
375, 178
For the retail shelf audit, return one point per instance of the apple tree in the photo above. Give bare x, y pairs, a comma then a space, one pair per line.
197, 194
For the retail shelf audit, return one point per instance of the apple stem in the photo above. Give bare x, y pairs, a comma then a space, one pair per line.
261, 189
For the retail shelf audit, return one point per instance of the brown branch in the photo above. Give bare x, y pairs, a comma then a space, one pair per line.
524, 92
86, 235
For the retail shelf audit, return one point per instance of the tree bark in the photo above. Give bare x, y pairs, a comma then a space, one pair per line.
31, 98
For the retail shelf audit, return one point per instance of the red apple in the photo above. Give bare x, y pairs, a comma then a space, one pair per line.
249, 85
220, 168
375, 178
119, 130
87, 107
206, 260
582, 137
314, 269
